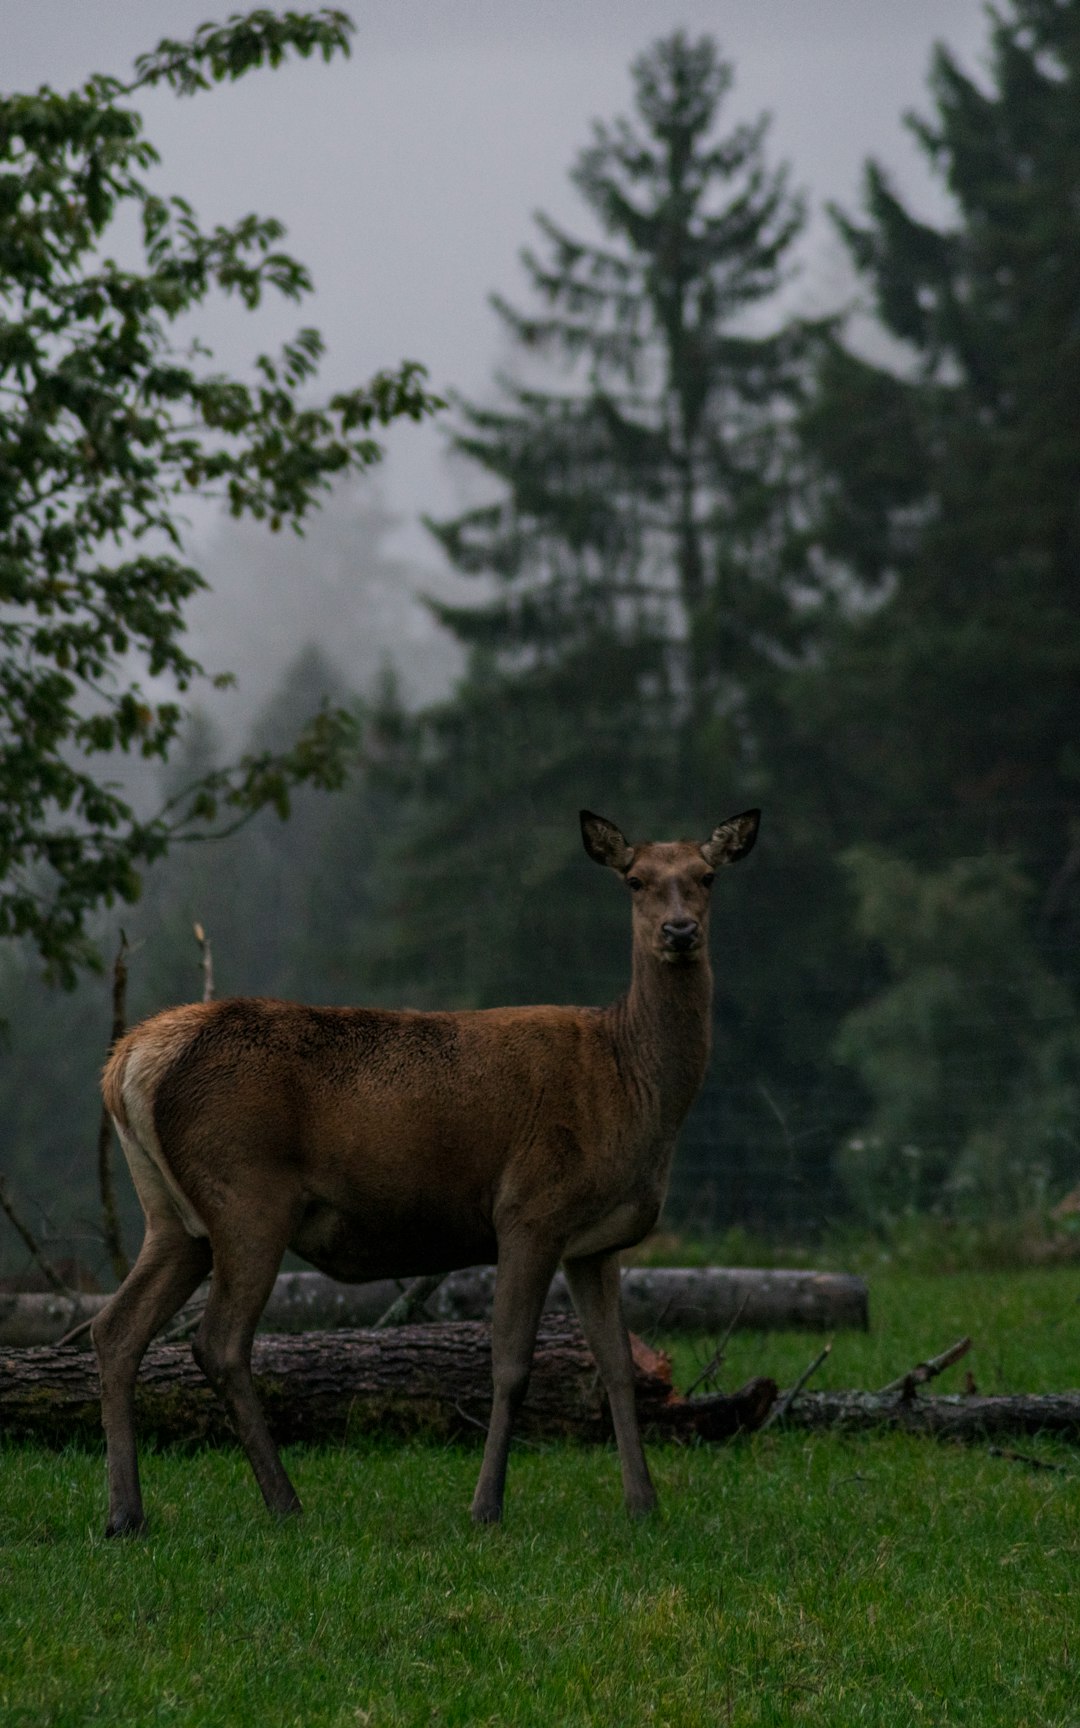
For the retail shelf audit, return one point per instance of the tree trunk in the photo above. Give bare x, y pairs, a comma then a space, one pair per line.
434, 1379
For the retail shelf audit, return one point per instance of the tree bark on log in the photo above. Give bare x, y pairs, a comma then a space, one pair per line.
436, 1380
432, 1379
947, 1417
655, 1299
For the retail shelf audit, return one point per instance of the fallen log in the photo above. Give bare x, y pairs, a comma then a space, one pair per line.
694, 1298
952, 1416
322, 1386
655, 1299
435, 1379
29, 1317
966, 1416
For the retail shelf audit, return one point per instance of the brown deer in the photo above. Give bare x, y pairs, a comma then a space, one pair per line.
377, 1143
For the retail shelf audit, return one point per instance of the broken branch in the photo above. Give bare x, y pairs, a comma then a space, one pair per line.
780, 1411
405, 1308
929, 1370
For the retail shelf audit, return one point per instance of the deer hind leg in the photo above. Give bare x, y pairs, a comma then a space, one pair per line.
521, 1284
594, 1287
245, 1266
170, 1265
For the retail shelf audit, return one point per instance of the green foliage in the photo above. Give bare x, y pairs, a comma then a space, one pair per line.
970, 1055
111, 420
283, 904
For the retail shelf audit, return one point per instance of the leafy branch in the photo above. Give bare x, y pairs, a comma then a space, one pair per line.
110, 425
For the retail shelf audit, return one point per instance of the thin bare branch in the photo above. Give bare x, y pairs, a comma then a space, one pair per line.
207, 962
49, 1271
1027, 1458
187, 1321
77, 1333
712, 1367
410, 1303
780, 1410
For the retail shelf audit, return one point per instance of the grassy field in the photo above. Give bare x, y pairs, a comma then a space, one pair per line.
787, 1579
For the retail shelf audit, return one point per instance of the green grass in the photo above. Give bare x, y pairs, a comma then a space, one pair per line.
1025, 1329
788, 1579
911, 1242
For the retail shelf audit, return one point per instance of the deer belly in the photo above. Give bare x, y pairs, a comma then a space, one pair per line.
353, 1248
624, 1225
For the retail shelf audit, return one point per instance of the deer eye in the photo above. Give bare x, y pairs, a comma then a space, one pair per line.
708, 880
635, 883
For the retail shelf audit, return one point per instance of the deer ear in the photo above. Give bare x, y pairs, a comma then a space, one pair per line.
732, 839
604, 842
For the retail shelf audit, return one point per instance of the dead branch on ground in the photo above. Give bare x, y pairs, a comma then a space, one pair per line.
780, 1411
929, 1370
317, 1386
410, 1304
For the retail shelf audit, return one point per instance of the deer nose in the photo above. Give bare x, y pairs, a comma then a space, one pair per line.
681, 933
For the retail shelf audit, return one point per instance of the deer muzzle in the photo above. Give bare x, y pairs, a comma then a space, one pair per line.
681, 935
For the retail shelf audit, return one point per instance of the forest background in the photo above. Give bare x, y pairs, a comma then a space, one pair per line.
721, 556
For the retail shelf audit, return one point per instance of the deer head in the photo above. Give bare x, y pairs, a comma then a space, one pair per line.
669, 881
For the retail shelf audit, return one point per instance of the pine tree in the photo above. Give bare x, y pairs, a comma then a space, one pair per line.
635, 602
637, 504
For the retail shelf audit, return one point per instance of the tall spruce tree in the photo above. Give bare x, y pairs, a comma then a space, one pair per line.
951, 484
949, 491
637, 504
636, 610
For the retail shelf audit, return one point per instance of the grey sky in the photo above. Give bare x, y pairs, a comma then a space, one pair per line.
407, 176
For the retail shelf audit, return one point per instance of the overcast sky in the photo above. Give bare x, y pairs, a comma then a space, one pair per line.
407, 175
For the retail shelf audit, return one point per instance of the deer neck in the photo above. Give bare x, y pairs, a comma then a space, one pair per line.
662, 1029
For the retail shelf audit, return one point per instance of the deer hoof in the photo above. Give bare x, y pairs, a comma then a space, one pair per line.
126, 1524
485, 1513
642, 1508
286, 1514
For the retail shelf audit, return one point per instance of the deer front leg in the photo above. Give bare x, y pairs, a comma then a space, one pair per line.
521, 1284
594, 1286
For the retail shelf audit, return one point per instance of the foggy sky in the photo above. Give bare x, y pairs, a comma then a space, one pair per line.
407, 177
